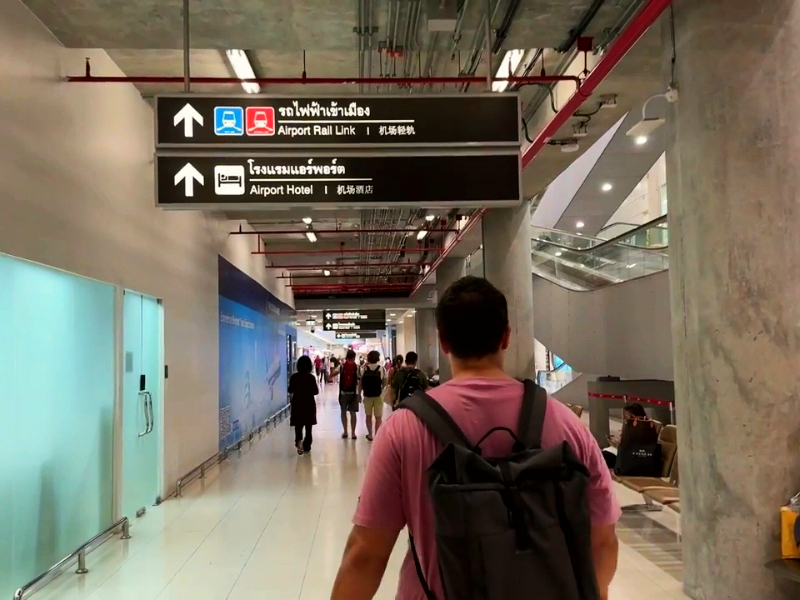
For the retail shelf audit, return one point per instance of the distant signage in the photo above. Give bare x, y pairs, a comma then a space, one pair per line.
231, 181
262, 121
353, 320
363, 335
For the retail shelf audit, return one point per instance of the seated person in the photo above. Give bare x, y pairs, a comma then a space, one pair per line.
631, 411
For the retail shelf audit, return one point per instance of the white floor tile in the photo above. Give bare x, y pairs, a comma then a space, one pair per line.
272, 525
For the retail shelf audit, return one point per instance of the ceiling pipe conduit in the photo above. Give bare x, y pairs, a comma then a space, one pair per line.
640, 23
347, 251
410, 81
339, 231
334, 267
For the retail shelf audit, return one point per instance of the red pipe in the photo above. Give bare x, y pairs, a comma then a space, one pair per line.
476, 216
643, 20
340, 231
348, 266
350, 251
307, 289
544, 79
344, 276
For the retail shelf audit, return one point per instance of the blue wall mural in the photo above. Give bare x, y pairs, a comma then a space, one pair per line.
252, 353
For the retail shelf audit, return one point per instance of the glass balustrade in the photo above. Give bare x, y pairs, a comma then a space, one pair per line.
582, 263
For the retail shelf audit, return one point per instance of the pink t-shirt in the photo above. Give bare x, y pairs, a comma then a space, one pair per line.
395, 492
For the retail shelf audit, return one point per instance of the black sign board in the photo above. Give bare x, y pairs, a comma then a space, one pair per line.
338, 315
361, 335
263, 121
355, 326
245, 181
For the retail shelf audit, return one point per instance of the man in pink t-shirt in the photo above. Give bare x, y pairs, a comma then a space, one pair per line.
472, 319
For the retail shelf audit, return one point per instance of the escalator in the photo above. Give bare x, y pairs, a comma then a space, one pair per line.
603, 304
583, 263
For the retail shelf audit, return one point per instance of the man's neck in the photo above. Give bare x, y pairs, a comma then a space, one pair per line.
488, 367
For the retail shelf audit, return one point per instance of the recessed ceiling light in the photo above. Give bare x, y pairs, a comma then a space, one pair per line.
326, 273
421, 235
400, 321
392, 314
312, 237
559, 253
430, 218
307, 220
607, 187
580, 224
641, 140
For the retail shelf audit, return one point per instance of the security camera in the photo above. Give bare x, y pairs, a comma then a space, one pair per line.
312, 330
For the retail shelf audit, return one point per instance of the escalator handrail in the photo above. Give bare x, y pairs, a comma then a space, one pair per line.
612, 241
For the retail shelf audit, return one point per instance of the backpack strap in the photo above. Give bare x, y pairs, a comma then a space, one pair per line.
436, 418
531, 415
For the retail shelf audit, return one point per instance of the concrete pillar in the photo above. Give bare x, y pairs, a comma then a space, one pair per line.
507, 264
427, 340
448, 272
734, 217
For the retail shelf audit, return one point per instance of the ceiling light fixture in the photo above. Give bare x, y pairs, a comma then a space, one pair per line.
641, 140
243, 69
422, 233
580, 224
307, 220
559, 253
507, 68
430, 218
607, 187
392, 314
326, 273
312, 237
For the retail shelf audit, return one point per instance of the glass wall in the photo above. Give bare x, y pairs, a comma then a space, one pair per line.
56, 430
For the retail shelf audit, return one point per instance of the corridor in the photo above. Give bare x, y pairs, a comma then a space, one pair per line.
272, 525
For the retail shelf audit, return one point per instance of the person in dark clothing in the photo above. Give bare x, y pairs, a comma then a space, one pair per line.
303, 388
632, 410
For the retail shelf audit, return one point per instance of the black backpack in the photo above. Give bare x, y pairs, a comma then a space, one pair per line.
411, 383
508, 528
372, 382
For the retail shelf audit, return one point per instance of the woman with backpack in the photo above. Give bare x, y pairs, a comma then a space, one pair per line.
303, 388
373, 378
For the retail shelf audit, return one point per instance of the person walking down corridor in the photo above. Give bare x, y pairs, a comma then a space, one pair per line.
409, 379
553, 539
303, 388
373, 378
348, 393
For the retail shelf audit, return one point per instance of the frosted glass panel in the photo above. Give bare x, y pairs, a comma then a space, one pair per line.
142, 393
57, 382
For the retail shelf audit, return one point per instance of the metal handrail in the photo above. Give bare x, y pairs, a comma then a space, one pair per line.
79, 554
200, 470
610, 242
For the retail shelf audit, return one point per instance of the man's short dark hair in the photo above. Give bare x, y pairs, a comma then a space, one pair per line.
411, 358
373, 357
351, 354
472, 318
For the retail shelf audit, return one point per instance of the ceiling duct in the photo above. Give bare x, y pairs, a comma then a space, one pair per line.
442, 15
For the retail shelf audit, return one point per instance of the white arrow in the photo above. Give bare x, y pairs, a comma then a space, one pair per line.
188, 175
328, 326
188, 114
328, 316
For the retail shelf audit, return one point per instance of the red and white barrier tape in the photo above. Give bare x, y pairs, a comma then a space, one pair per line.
629, 398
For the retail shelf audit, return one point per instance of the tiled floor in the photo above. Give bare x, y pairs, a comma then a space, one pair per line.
272, 525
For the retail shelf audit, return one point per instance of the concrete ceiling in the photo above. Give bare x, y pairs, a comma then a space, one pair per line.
145, 37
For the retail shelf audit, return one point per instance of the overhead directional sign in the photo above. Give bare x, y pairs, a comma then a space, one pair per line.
245, 181
353, 320
363, 335
408, 120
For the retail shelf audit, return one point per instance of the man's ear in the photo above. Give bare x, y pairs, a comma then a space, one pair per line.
443, 345
506, 339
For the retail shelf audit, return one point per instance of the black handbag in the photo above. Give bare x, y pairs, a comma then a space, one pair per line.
639, 453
